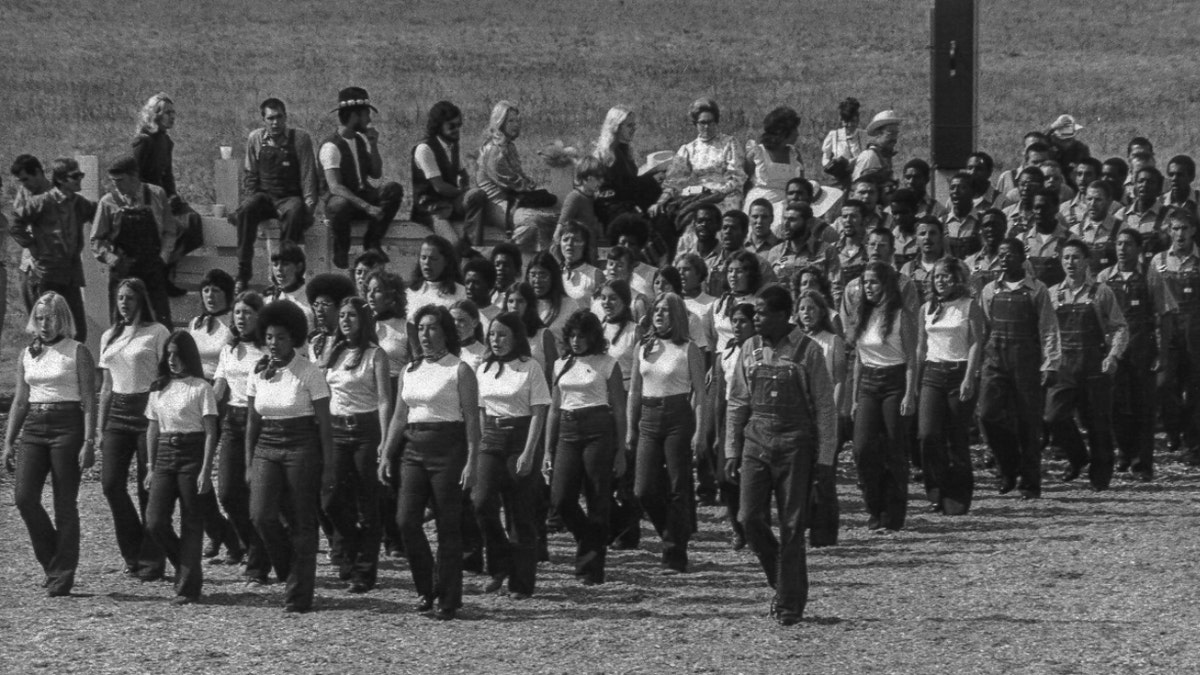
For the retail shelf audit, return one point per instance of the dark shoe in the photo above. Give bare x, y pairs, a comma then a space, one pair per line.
1007, 484
738, 542
707, 500
345, 573
519, 596
1123, 464
1097, 487
150, 576
1071, 473
129, 571
444, 614
936, 508
874, 522
589, 580
425, 604
473, 562
788, 619
395, 552
296, 609
212, 550
624, 545
494, 584
257, 582
1174, 442
358, 587
58, 592
233, 557
1143, 476
183, 600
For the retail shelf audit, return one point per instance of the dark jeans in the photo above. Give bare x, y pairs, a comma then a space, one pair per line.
1179, 382
124, 440
664, 473
37, 285
1134, 397
350, 494
787, 476
1083, 388
177, 464
728, 491
341, 212
1010, 410
294, 219
49, 446
511, 551
233, 491
583, 463
880, 446
431, 469
945, 428
287, 480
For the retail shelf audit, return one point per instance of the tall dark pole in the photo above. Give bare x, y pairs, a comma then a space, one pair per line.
953, 85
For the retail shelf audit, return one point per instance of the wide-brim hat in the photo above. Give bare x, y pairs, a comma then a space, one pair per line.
882, 119
354, 97
1065, 126
656, 160
824, 198
336, 286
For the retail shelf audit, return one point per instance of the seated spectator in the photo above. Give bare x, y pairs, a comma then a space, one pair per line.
844, 144
134, 234
875, 162
625, 189
153, 149
442, 195
773, 160
515, 203
350, 159
279, 180
579, 206
826, 202
1063, 136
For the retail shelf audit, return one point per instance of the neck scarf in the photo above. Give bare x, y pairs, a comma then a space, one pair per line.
269, 365
38, 345
207, 320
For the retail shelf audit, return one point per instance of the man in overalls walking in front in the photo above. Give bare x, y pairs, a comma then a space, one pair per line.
134, 236
781, 429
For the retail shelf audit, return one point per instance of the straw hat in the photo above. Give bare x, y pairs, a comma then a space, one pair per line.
882, 119
656, 160
1065, 126
824, 198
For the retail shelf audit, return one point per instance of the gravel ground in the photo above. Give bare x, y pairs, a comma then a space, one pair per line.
1078, 582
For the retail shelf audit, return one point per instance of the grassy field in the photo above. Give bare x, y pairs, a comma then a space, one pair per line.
1076, 583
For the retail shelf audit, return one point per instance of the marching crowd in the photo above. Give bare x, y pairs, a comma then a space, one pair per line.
708, 328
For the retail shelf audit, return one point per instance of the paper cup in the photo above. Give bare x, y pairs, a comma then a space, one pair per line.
218, 210
226, 152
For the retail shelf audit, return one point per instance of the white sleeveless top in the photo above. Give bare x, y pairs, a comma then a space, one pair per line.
53, 375
353, 391
947, 337
622, 347
393, 340
431, 294
586, 384
431, 391
581, 282
877, 350
665, 370
210, 344
132, 359
236, 370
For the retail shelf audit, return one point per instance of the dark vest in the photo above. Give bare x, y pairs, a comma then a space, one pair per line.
448, 165
348, 173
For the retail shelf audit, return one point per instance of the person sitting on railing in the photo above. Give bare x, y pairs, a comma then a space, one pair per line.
512, 193
442, 196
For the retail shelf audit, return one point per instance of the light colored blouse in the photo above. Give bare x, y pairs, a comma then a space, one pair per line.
132, 359
512, 389
947, 335
236, 366
393, 340
715, 164
431, 391
581, 282
622, 347
772, 175
290, 393
432, 294
838, 143
181, 406
585, 384
53, 375
473, 354
354, 391
878, 350
210, 344
665, 371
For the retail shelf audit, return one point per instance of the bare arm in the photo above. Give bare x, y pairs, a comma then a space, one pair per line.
105, 402
468, 397
633, 403
616, 401
383, 390
253, 427
151, 450
86, 366
977, 337
204, 480
16, 414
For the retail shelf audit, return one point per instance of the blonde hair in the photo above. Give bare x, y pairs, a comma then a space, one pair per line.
608, 133
495, 127
148, 119
60, 310
679, 316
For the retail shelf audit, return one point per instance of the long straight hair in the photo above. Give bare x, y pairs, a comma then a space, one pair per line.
891, 299
188, 353
366, 338
613, 120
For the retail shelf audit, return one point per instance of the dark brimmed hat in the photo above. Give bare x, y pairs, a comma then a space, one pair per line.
337, 287
354, 97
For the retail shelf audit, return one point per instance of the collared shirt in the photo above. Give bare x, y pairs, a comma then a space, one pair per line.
907, 246
838, 143
50, 226
500, 173
820, 393
105, 227
716, 164
1108, 310
761, 247
1047, 319
871, 164
960, 227
260, 138
1043, 245
1020, 220
718, 260
1171, 266
1164, 301
990, 199
786, 259
1188, 203
1147, 221
928, 206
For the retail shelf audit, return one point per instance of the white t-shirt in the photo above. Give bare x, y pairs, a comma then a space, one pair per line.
393, 340
426, 160
236, 367
53, 375
181, 406
331, 157
300, 297
354, 391
210, 344
665, 371
132, 359
431, 294
512, 389
621, 347
586, 384
878, 350
290, 393
431, 391
473, 354
947, 336
581, 282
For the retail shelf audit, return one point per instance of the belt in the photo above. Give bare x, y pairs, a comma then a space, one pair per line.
433, 426
352, 421
508, 422
580, 413
660, 401
178, 440
883, 369
130, 398
57, 405
288, 423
